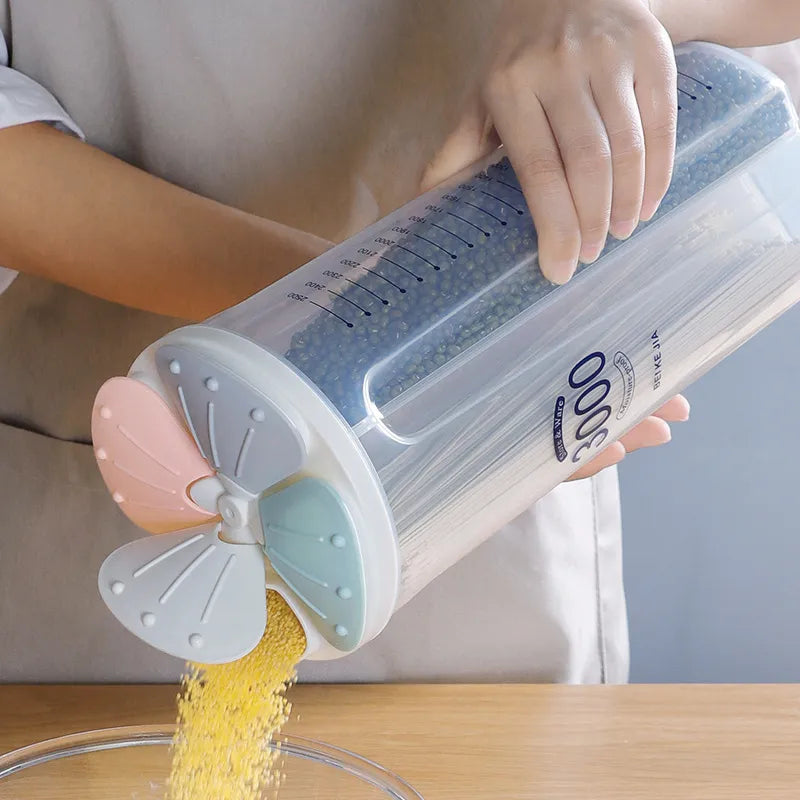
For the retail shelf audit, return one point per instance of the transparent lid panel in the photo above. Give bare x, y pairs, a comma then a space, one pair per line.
414, 299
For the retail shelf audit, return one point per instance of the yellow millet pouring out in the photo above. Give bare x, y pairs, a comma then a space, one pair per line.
227, 714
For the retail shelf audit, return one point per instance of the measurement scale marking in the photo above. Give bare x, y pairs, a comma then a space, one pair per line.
696, 80
510, 186
488, 213
412, 274
347, 300
417, 255
332, 313
435, 244
504, 202
447, 230
374, 294
477, 227
384, 278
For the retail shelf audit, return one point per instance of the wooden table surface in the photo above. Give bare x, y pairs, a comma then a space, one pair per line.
502, 742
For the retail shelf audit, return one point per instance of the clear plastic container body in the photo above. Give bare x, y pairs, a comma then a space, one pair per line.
133, 764
473, 384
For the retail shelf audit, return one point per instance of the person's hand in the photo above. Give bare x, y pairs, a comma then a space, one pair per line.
583, 96
650, 432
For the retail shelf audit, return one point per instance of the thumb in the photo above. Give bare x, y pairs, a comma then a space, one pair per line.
473, 138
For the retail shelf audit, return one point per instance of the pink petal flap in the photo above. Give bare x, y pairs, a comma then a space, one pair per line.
147, 459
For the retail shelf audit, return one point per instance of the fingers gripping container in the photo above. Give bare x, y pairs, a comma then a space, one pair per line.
350, 432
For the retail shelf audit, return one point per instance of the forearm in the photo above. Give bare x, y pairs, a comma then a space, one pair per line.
734, 23
76, 215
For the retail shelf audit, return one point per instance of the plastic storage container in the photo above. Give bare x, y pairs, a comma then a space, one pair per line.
375, 415
133, 764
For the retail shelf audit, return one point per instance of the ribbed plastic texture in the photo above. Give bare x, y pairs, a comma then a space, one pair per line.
475, 385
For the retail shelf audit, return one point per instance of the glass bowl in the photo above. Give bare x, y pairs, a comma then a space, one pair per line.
132, 763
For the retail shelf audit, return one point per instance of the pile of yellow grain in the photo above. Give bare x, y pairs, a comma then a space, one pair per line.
228, 713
